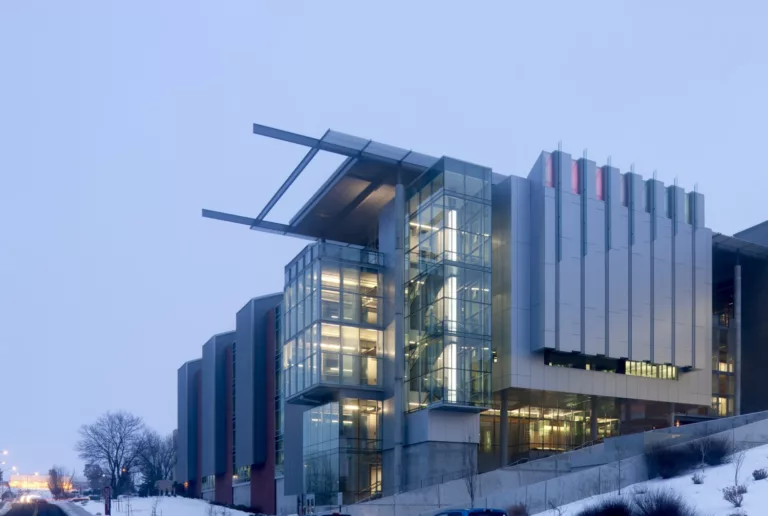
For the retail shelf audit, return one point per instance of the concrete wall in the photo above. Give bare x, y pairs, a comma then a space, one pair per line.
596, 277
187, 459
241, 494
214, 404
564, 478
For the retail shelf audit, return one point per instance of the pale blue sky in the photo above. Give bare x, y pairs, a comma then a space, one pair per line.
119, 121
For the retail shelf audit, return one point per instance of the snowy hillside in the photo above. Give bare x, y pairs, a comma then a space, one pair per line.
706, 498
166, 506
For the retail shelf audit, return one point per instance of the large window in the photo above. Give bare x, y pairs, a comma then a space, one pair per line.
333, 319
342, 450
448, 298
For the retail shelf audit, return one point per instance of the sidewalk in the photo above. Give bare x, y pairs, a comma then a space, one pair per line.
72, 509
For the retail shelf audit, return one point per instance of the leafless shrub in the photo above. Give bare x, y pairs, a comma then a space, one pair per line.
697, 478
733, 496
760, 474
739, 455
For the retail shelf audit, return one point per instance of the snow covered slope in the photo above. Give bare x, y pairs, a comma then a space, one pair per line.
167, 506
706, 498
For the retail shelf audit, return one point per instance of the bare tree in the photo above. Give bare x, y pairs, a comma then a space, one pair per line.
114, 440
156, 458
621, 453
470, 469
739, 455
59, 483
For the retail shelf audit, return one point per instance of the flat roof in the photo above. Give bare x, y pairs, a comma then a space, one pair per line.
737, 245
346, 207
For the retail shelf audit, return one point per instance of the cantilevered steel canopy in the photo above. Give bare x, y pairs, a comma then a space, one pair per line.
737, 245
347, 206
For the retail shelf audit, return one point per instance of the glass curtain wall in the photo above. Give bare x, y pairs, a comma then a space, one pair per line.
448, 287
342, 451
332, 321
723, 349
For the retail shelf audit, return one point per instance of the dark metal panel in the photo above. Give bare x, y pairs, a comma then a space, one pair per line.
251, 366
188, 394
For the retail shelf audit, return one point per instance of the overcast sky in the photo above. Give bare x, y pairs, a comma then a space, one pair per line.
120, 120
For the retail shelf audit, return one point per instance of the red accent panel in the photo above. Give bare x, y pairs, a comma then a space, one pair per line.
599, 184
263, 478
575, 186
549, 172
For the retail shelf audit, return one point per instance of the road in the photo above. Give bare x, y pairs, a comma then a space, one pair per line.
35, 510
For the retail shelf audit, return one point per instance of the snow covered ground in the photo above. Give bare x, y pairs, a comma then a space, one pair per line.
167, 506
706, 498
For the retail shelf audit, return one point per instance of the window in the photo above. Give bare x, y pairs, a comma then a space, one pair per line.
575, 179
599, 184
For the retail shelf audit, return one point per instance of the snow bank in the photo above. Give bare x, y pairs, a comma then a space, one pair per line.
706, 498
167, 506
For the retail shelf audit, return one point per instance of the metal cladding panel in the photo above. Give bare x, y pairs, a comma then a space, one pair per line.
513, 283
188, 394
569, 298
661, 232
662, 291
683, 351
215, 394
702, 298
251, 367
594, 278
549, 272
387, 246
294, 449
617, 275
208, 407
501, 284
640, 272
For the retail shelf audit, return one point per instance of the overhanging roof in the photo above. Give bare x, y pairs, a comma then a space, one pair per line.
347, 206
737, 245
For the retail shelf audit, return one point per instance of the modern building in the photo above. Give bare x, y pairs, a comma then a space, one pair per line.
445, 311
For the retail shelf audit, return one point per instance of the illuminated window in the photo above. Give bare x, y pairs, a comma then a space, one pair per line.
599, 185
575, 179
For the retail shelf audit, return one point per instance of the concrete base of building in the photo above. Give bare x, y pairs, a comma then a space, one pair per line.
209, 494
241, 494
436, 462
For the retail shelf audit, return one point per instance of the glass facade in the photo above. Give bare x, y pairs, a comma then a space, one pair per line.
448, 287
723, 376
332, 318
342, 451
